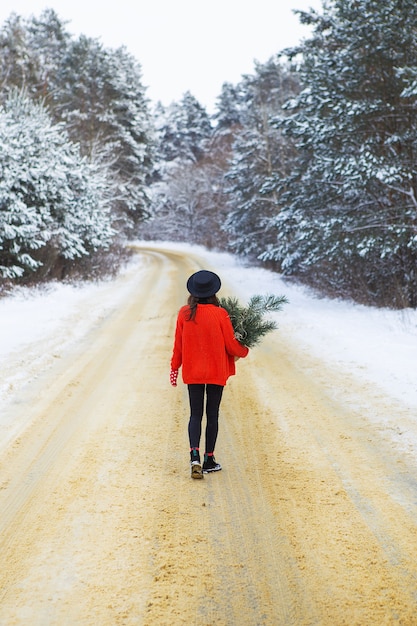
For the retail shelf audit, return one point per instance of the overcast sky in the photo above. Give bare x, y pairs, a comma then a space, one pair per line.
182, 44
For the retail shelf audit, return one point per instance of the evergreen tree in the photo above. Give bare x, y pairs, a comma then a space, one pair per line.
228, 113
101, 99
260, 153
17, 68
349, 219
30, 53
95, 91
53, 205
182, 129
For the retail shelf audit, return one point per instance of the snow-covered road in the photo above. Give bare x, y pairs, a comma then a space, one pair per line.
313, 518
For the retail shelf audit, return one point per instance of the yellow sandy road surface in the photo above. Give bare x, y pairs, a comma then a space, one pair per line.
313, 520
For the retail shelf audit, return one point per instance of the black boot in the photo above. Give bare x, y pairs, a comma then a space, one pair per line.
210, 464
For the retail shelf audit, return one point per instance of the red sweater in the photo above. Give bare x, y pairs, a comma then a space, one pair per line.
205, 346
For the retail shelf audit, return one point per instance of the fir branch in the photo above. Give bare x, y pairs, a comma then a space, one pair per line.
248, 322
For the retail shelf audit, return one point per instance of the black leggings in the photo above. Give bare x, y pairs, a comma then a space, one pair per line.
196, 395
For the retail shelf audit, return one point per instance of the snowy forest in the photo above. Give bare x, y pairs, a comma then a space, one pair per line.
308, 165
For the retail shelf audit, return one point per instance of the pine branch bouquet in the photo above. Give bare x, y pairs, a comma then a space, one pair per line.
248, 322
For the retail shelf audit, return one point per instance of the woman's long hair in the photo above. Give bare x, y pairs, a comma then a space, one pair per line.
193, 302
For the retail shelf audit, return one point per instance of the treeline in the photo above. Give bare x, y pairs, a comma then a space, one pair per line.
75, 151
307, 166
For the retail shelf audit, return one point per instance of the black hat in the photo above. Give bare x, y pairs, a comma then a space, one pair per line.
203, 284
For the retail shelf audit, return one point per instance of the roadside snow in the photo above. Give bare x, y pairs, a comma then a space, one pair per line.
378, 344
38, 324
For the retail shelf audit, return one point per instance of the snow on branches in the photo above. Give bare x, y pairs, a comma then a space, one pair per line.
50, 197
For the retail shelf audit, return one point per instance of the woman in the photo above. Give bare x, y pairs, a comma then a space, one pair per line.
206, 348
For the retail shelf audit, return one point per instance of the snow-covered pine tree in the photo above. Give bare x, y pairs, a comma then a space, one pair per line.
101, 99
183, 127
53, 205
31, 53
348, 219
259, 155
229, 107
97, 92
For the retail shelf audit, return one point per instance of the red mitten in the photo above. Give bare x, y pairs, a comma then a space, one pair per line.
173, 377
